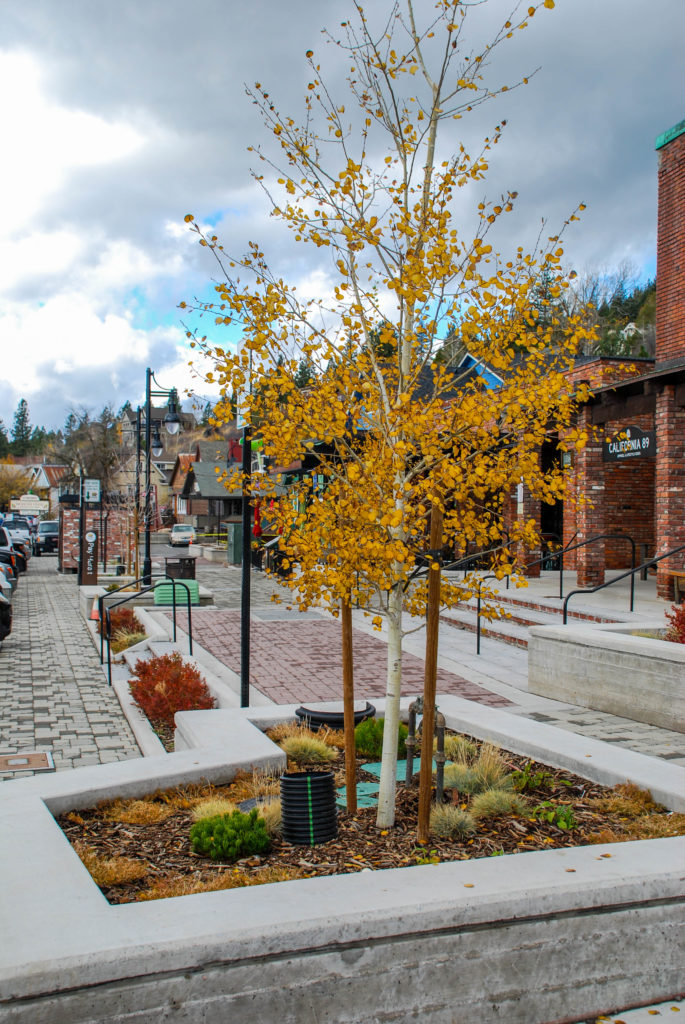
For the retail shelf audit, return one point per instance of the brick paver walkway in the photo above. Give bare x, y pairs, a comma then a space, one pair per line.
53, 692
300, 659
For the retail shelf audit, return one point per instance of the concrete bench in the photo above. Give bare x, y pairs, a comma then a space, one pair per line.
164, 593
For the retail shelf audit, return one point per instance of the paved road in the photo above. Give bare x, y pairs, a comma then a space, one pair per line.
53, 693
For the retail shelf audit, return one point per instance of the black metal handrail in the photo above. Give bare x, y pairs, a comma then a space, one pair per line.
104, 612
616, 579
593, 540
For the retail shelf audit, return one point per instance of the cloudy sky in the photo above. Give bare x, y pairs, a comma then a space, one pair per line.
119, 118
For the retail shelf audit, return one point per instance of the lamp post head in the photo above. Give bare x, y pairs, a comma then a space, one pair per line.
156, 445
172, 421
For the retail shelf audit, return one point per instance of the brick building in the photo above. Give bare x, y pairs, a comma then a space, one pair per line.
633, 470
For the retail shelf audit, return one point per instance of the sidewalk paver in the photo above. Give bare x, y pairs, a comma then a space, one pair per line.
53, 692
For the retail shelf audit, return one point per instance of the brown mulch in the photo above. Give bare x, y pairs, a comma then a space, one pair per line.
164, 847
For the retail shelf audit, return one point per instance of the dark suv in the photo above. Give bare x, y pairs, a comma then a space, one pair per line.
47, 537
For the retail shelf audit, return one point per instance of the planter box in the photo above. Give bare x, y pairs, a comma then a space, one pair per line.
562, 935
608, 668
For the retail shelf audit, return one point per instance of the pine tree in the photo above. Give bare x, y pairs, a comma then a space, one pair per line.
21, 430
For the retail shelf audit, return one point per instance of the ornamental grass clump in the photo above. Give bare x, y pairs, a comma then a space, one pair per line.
229, 837
163, 685
271, 813
462, 778
308, 750
491, 768
212, 807
497, 803
460, 750
450, 822
106, 871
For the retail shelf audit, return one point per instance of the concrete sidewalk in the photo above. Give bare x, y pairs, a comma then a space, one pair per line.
53, 693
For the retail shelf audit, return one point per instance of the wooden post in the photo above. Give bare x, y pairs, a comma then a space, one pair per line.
430, 673
348, 706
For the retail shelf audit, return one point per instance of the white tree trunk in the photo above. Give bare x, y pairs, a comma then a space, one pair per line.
386, 793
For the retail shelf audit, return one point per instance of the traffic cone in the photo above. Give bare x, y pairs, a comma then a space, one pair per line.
95, 614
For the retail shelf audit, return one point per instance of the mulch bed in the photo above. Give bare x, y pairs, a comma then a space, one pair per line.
165, 848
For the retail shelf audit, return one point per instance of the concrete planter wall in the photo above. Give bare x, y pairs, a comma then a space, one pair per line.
607, 668
561, 935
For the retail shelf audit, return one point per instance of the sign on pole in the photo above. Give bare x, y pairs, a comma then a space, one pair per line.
89, 559
91, 491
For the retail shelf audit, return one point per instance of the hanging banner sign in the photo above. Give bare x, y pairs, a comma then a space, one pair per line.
630, 443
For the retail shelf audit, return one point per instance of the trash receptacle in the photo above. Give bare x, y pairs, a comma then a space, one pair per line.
180, 568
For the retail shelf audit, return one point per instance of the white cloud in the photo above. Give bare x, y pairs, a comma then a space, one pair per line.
44, 141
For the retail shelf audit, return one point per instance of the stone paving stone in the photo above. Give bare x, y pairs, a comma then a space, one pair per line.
50, 676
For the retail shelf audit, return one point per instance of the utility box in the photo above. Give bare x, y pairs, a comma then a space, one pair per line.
180, 568
234, 543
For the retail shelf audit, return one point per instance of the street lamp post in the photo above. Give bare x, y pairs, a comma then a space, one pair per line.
154, 446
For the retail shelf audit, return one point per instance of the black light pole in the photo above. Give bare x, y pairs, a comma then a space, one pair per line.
153, 446
246, 568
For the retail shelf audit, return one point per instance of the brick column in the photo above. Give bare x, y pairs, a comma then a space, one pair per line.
590, 519
669, 497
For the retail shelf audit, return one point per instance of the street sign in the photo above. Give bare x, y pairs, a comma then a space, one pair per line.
91, 491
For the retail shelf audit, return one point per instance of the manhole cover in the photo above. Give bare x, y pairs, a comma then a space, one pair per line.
34, 761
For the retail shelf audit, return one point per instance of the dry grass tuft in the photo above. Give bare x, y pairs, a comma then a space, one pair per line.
308, 750
496, 803
124, 638
450, 822
656, 826
627, 800
188, 885
106, 871
137, 812
460, 750
271, 812
212, 806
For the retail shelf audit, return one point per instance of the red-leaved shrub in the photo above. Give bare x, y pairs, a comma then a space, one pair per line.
676, 632
166, 684
121, 618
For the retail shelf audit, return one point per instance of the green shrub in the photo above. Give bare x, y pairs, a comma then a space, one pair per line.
450, 822
460, 750
496, 803
462, 778
308, 750
230, 836
560, 815
368, 738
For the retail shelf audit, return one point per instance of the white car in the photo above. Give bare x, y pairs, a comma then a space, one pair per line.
181, 535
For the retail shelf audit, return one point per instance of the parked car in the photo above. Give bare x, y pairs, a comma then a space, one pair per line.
181, 535
47, 538
8, 581
14, 551
20, 533
8, 561
5, 617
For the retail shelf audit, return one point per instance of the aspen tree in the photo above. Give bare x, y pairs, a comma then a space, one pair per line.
385, 422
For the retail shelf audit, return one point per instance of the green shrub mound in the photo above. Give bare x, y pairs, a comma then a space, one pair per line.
368, 738
230, 836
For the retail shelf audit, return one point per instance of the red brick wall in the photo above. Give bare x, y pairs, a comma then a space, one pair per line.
670, 486
120, 536
670, 264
